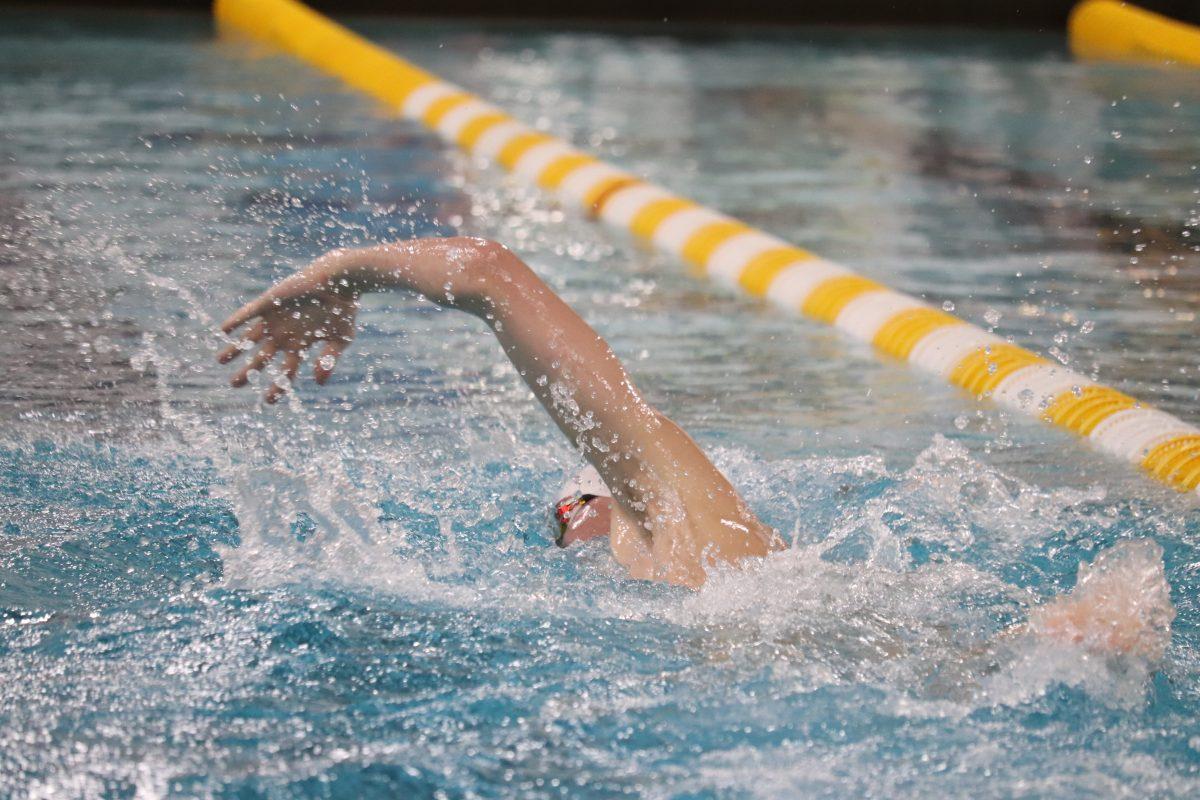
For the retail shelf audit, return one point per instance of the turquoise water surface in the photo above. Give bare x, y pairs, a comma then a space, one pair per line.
353, 594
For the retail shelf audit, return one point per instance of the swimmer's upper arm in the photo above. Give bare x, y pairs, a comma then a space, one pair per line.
658, 475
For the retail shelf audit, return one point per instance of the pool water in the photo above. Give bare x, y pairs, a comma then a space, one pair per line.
353, 594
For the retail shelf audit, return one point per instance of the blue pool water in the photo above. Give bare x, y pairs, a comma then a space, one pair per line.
352, 594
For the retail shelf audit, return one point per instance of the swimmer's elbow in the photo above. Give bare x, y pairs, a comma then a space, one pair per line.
478, 249
492, 269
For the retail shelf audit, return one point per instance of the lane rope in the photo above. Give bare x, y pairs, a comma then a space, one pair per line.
735, 254
1116, 31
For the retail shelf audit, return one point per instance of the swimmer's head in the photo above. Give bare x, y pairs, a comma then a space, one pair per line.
584, 509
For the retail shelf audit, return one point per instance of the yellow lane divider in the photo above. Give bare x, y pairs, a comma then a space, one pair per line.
735, 254
1115, 31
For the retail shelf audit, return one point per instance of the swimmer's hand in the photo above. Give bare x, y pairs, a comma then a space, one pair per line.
313, 306
1121, 605
319, 303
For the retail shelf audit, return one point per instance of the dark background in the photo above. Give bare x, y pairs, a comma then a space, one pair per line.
1036, 14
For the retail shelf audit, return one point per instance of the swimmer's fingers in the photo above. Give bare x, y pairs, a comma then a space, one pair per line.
279, 386
260, 360
247, 312
237, 348
323, 366
288, 289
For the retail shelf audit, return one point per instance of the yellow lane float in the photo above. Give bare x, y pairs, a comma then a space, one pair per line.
1115, 31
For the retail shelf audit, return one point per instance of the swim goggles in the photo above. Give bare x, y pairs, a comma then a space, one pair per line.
563, 512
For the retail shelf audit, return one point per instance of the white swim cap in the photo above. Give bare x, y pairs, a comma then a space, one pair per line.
588, 481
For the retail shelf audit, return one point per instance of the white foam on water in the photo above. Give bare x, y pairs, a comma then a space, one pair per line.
975, 496
825, 623
986, 762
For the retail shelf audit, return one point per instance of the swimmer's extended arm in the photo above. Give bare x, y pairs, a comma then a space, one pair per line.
685, 515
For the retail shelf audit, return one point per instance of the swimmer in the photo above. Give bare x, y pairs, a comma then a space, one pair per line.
669, 514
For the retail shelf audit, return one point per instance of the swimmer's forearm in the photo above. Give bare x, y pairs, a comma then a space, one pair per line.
452, 272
